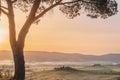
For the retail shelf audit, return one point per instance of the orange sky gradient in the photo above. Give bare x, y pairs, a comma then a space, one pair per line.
57, 33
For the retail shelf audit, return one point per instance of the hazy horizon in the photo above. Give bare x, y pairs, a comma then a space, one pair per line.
64, 52
57, 58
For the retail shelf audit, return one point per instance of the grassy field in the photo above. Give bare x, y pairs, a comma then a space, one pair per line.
69, 73
86, 73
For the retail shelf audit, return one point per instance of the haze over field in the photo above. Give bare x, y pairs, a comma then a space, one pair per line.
65, 58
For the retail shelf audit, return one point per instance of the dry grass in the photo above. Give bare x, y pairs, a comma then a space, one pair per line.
68, 75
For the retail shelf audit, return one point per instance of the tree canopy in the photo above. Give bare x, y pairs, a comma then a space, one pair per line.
36, 9
72, 8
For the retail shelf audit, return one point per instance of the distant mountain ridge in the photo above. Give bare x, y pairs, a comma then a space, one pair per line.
42, 56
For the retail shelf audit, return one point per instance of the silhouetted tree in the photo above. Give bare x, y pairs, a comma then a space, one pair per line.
36, 9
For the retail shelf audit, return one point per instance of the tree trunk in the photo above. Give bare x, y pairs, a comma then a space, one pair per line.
17, 49
19, 64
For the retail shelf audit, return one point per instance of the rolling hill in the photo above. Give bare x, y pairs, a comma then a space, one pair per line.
42, 56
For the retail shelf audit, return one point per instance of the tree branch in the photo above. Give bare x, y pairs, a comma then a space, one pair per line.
4, 7
46, 10
14, 1
4, 11
75, 2
12, 31
23, 32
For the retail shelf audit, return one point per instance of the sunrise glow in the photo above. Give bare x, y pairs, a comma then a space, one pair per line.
2, 35
57, 33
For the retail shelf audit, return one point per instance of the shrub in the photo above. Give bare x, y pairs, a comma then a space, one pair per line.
0, 75
118, 78
65, 68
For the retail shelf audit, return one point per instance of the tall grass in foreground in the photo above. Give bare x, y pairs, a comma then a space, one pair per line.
5, 75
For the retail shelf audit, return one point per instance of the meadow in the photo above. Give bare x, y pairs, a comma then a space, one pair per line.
89, 72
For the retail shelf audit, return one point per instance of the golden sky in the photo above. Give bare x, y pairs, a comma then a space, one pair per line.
57, 33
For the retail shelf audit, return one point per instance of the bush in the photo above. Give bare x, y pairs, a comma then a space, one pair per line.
66, 68
0, 75
118, 78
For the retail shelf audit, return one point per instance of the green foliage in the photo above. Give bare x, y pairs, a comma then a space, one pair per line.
65, 69
73, 8
118, 78
25, 5
93, 8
